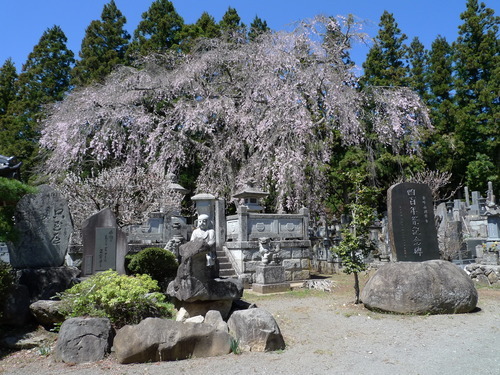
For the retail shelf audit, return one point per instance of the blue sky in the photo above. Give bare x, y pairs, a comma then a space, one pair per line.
23, 22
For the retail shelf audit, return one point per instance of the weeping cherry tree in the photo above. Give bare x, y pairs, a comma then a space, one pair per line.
269, 109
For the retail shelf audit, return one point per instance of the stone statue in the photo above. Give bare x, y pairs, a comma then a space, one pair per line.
265, 251
202, 233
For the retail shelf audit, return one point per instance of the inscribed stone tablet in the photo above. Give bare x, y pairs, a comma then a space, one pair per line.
105, 249
412, 232
104, 245
44, 226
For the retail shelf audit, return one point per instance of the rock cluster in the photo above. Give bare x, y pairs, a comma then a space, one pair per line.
156, 339
484, 274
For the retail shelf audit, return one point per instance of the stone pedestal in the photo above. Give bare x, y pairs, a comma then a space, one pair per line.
270, 279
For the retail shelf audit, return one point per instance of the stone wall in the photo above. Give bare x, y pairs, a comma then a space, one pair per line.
484, 274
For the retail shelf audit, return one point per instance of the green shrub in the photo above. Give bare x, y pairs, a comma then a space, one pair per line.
156, 262
11, 191
6, 281
123, 299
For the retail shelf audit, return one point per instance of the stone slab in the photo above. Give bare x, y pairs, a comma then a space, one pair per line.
271, 288
412, 231
44, 225
104, 245
269, 274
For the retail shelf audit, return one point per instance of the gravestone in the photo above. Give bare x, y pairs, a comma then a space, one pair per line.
104, 245
44, 226
412, 232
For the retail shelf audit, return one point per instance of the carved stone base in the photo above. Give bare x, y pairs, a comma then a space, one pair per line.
271, 288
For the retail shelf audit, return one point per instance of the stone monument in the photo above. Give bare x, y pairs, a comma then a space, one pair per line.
44, 226
269, 275
412, 231
197, 286
104, 244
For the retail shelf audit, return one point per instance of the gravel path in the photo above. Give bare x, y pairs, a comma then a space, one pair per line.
325, 334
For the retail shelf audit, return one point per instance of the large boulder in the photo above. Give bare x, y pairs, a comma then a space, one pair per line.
15, 308
47, 312
155, 339
255, 330
430, 287
84, 340
45, 283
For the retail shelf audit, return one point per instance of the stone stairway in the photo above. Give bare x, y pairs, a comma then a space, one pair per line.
226, 269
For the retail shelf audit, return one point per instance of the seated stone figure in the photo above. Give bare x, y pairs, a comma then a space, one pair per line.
266, 252
202, 233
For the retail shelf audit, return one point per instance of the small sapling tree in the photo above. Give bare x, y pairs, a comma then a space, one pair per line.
356, 243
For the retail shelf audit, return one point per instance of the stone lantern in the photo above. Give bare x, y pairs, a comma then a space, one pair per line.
251, 197
174, 186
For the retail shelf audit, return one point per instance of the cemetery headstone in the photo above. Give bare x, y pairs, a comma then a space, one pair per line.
44, 226
104, 244
412, 232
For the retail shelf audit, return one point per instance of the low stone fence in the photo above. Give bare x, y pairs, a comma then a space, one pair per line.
484, 274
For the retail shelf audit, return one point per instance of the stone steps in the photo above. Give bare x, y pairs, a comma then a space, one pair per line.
225, 267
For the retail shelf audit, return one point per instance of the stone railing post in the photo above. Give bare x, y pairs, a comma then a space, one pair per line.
305, 222
243, 223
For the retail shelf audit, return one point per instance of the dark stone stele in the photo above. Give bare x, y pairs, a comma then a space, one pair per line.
412, 231
44, 227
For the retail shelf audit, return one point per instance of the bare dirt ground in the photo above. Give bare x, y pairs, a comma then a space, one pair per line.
326, 334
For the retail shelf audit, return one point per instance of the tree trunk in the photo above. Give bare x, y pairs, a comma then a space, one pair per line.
356, 287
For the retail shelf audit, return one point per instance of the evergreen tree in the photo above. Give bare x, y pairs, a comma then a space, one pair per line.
441, 151
232, 27
159, 29
384, 65
257, 27
417, 59
103, 47
207, 25
8, 89
477, 64
204, 27
45, 78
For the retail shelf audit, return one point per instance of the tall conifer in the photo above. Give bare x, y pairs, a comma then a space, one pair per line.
103, 47
477, 65
257, 27
45, 78
232, 27
159, 30
8, 89
417, 60
384, 65
442, 150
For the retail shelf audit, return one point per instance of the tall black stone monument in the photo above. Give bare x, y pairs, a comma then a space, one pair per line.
412, 232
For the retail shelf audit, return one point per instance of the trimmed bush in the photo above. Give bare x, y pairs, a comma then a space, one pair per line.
123, 299
156, 262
